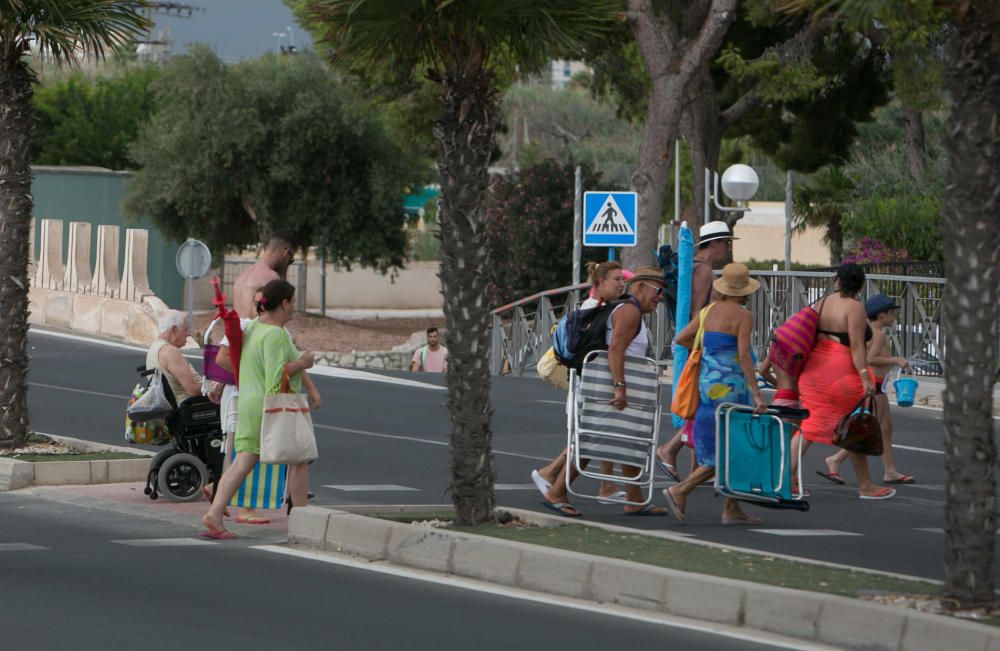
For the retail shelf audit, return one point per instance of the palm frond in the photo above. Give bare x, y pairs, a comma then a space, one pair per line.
414, 32
64, 29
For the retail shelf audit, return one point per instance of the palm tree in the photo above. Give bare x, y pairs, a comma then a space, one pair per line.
822, 202
61, 30
463, 47
971, 242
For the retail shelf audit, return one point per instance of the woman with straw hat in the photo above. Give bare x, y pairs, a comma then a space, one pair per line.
725, 374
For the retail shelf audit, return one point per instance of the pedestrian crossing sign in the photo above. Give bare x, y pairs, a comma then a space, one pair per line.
609, 218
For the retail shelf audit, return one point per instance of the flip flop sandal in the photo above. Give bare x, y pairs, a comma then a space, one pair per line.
884, 494
905, 479
540, 482
221, 534
832, 477
674, 508
744, 519
649, 509
669, 469
560, 508
251, 519
613, 498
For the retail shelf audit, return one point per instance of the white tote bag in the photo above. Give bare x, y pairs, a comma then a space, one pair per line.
286, 430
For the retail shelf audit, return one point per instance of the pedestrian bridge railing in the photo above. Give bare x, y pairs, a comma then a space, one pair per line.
521, 330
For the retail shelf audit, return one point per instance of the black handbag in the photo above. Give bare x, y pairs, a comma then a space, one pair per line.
859, 431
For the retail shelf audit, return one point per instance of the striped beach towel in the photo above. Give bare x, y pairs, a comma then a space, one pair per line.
263, 488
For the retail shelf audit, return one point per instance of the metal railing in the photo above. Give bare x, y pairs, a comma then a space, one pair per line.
521, 330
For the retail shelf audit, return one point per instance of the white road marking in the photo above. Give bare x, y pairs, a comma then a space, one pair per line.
806, 532
20, 547
611, 610
86, 340
916, 449
414, 439
354, 374
515, 487
353, 488
84, 391
165, 542
926, 487
940, 530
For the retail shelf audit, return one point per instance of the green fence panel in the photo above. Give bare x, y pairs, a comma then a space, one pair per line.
92, 195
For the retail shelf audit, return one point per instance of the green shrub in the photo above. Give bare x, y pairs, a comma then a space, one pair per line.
530, 229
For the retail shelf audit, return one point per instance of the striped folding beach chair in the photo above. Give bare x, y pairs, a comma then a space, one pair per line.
599, 432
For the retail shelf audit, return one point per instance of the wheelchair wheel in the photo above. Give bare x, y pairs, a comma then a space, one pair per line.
181, 477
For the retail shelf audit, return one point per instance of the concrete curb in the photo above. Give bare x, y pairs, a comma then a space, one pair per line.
839, 621
16, 474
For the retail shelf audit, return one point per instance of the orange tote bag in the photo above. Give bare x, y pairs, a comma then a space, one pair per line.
685, 401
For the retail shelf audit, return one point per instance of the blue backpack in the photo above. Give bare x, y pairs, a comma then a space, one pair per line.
583, 331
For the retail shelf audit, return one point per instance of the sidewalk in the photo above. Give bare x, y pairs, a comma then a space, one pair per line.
848, 623
128, 498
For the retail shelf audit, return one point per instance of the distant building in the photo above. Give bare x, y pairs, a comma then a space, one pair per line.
560, 72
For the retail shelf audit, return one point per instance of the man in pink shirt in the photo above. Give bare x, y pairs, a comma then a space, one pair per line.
432, 358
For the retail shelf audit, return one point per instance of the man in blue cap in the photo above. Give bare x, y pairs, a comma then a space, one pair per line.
881, 311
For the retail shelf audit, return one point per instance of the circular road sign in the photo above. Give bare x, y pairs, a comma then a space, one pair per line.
193, 259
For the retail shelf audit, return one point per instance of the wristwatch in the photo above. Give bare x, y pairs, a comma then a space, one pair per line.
618, 385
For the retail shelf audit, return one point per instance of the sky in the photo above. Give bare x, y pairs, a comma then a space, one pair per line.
234, 29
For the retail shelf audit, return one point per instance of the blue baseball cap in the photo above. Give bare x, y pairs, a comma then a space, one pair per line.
878, 304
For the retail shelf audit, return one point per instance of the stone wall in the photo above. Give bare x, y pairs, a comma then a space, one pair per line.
102, 299
397, 359
373, 359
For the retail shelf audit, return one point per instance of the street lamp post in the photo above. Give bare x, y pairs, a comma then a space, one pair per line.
278, 36
739, 183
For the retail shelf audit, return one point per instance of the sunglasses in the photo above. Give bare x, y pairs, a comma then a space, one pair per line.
660, 291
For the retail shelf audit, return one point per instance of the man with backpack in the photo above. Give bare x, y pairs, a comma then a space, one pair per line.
624, 334
432, 358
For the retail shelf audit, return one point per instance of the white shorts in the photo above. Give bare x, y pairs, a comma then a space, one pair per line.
227, 408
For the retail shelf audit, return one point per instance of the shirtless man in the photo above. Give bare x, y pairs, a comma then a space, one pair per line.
273, 263
881, 311
714, 242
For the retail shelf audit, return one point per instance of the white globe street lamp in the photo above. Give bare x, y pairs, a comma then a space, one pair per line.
740, 183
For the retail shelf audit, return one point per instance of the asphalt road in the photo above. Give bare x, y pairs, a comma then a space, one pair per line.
386, 443
78, 578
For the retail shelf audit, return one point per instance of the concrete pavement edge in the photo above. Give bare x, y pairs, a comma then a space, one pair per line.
15, 474
830, 619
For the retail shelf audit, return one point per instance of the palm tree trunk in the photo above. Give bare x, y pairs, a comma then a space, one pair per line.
465, 132
971, 235
15, 224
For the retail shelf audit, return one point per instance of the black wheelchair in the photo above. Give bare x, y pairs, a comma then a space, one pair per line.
195, 456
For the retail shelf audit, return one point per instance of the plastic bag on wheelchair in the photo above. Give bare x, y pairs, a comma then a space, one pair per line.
151, 432
152, 402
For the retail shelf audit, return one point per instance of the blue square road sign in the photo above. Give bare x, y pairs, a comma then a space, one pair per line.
610, 218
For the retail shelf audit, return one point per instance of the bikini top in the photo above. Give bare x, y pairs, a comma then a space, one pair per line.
845, 339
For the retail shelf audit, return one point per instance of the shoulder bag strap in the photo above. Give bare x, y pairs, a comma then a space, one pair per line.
701, 326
